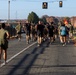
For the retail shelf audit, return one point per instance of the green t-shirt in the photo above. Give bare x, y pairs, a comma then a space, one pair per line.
2, 33
18, 28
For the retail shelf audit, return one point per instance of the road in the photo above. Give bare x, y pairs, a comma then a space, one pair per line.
48, 59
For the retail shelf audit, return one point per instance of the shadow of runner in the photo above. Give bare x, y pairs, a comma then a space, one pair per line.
27, 61
34, 50
26, 66
26, 70
12, 71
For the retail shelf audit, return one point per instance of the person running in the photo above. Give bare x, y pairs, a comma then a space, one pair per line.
33, 33
40, 29
3, 42
56, 32
71, 31
18, 30
28, 31
45, 36
68, 33
51, 32
63, 34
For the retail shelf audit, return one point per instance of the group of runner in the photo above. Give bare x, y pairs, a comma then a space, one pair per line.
51, 31
39, 32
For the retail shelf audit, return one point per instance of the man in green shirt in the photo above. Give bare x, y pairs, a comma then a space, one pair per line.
3, 42
18, 30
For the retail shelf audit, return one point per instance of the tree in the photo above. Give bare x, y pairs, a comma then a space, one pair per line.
46, 16
56, 20
44, 19
66, 19
33, 18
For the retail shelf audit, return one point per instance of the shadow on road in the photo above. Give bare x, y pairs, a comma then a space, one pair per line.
26, 62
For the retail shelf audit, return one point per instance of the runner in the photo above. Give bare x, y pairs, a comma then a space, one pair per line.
40, 29
68, 32
3, 42
45, 36
63, 34
28, 31
51, 32
33, 33
18, 30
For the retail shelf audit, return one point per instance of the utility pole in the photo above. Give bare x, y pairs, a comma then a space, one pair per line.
8, 10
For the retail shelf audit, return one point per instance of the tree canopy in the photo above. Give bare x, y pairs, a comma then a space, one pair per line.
33, 18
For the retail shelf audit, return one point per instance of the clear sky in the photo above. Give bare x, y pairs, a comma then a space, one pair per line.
19, 9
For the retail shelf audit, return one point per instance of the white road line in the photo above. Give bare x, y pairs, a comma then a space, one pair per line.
18, 54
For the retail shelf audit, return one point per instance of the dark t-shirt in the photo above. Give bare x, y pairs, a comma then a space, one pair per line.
40, 28
50, 28
28, 26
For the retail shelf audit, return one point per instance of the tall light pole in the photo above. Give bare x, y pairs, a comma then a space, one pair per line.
8, 10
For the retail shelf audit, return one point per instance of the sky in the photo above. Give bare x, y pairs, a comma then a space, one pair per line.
20, 9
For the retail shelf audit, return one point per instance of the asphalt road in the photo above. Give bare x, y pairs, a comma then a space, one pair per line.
48, 59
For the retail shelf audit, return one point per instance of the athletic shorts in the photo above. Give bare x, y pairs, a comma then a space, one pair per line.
5, 45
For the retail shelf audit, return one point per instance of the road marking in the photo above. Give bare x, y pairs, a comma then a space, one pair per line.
17, 54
